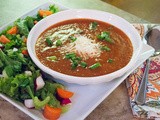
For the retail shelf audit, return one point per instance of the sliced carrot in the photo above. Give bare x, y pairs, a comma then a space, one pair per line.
35, 22
43, 13
4, 39
51, 113
64, 93
24, 52
13, 30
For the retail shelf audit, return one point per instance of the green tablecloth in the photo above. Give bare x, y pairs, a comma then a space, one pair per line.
12, 9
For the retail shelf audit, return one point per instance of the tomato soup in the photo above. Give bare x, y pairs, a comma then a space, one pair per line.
84, 48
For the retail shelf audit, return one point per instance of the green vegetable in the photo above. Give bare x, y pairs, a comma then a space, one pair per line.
83, 64
74, 64
15, 82
37, 103
40, 104
50, 90
11, 66
105, 36
9, 71
73, 38
106, 48
74, 59
53, 9
53, 101
1, 64
29, 22
16, 41
94, 66
70, 55
65, 108
49, 42
52, 58
51, 87
22, 27
110, 60
5, 86
3, 58
58, 43
93, 25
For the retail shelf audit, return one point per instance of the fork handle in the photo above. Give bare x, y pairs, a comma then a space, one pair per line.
141, 94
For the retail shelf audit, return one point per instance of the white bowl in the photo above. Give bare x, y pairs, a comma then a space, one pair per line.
114, 20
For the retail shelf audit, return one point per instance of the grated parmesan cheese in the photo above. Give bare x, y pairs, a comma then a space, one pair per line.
84, 47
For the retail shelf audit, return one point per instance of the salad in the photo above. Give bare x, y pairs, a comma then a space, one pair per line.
21, 79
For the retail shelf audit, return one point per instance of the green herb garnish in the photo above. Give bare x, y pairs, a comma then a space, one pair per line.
83, 64
93, 25
52, 58
70, 55
75, 60
106, 48
49, 42
110, 60
94, 66
73, 38
105, 36
74, 64
58, 43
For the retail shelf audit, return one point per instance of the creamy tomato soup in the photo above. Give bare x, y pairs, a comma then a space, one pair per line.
84, 47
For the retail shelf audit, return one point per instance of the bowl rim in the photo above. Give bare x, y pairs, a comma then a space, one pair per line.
78, 79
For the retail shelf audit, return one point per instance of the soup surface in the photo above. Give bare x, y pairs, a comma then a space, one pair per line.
84, 47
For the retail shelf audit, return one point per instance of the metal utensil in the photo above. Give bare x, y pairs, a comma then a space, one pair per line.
153, 39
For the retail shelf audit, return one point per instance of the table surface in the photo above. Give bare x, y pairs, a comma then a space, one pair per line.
114, 107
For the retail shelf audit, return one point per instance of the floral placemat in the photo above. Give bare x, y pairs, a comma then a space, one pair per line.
151, 109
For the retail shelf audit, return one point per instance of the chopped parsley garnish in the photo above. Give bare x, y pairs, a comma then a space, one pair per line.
58, 43
52, 58
110, 60
49, 42
83, 64
75, 60
74, 64
94, 66
70, 55
73, 38
106, 48
93, 25
105, 36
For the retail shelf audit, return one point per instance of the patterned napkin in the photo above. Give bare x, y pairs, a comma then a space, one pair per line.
151, 109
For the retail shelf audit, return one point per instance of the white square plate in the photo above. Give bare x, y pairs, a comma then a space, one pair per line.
87, 97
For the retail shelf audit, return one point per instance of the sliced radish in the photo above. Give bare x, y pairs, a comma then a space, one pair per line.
65, 101
39, 83
29, 103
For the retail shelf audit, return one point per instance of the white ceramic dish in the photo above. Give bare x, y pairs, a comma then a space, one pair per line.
84, 101
112, 19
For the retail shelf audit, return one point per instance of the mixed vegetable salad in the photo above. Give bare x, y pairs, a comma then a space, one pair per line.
21, 79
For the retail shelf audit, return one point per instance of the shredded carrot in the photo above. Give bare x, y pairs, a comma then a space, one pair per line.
13, 30
24, 52
43, 13
64, 93
4, 39
35, 22
51, 113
